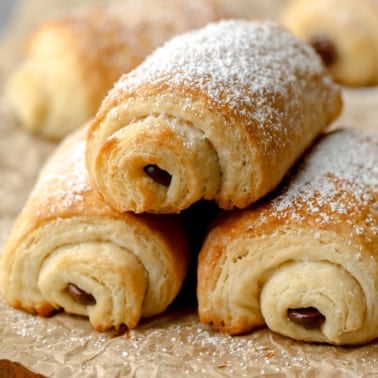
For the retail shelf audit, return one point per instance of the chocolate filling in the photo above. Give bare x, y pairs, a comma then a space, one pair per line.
159, 175
122, 330
80, 296
308, 317
324, 47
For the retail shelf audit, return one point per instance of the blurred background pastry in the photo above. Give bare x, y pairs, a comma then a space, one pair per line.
343, 32
73, 59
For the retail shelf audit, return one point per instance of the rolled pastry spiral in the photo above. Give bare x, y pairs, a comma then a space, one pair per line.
70, 251
219, 114
72, 60
345, 34
305, 262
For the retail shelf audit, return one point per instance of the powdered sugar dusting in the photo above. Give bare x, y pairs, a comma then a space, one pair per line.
238, 65
64, 177
339, 174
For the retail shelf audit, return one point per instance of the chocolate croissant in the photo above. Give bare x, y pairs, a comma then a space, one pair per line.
305, 261
343, 32
71, 61
219, 113
70, 251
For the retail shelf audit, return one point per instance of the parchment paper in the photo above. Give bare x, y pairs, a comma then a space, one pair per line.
174, 344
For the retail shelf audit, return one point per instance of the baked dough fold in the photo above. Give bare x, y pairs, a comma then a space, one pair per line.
71, 251
73, 59
305, 262
219, 113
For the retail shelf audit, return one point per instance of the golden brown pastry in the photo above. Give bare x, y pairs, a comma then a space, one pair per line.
304, 262
219, 114
344, 32
14, 369
72, 60
70, 251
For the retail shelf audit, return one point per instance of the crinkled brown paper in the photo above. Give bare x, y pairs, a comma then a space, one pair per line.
174, 344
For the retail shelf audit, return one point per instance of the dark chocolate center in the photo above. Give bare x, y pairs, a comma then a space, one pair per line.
308, 317
159, 175
324, 47
122, 330
80, 296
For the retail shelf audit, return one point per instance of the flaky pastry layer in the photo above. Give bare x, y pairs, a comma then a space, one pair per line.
71, 251
220, 113
304, 262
